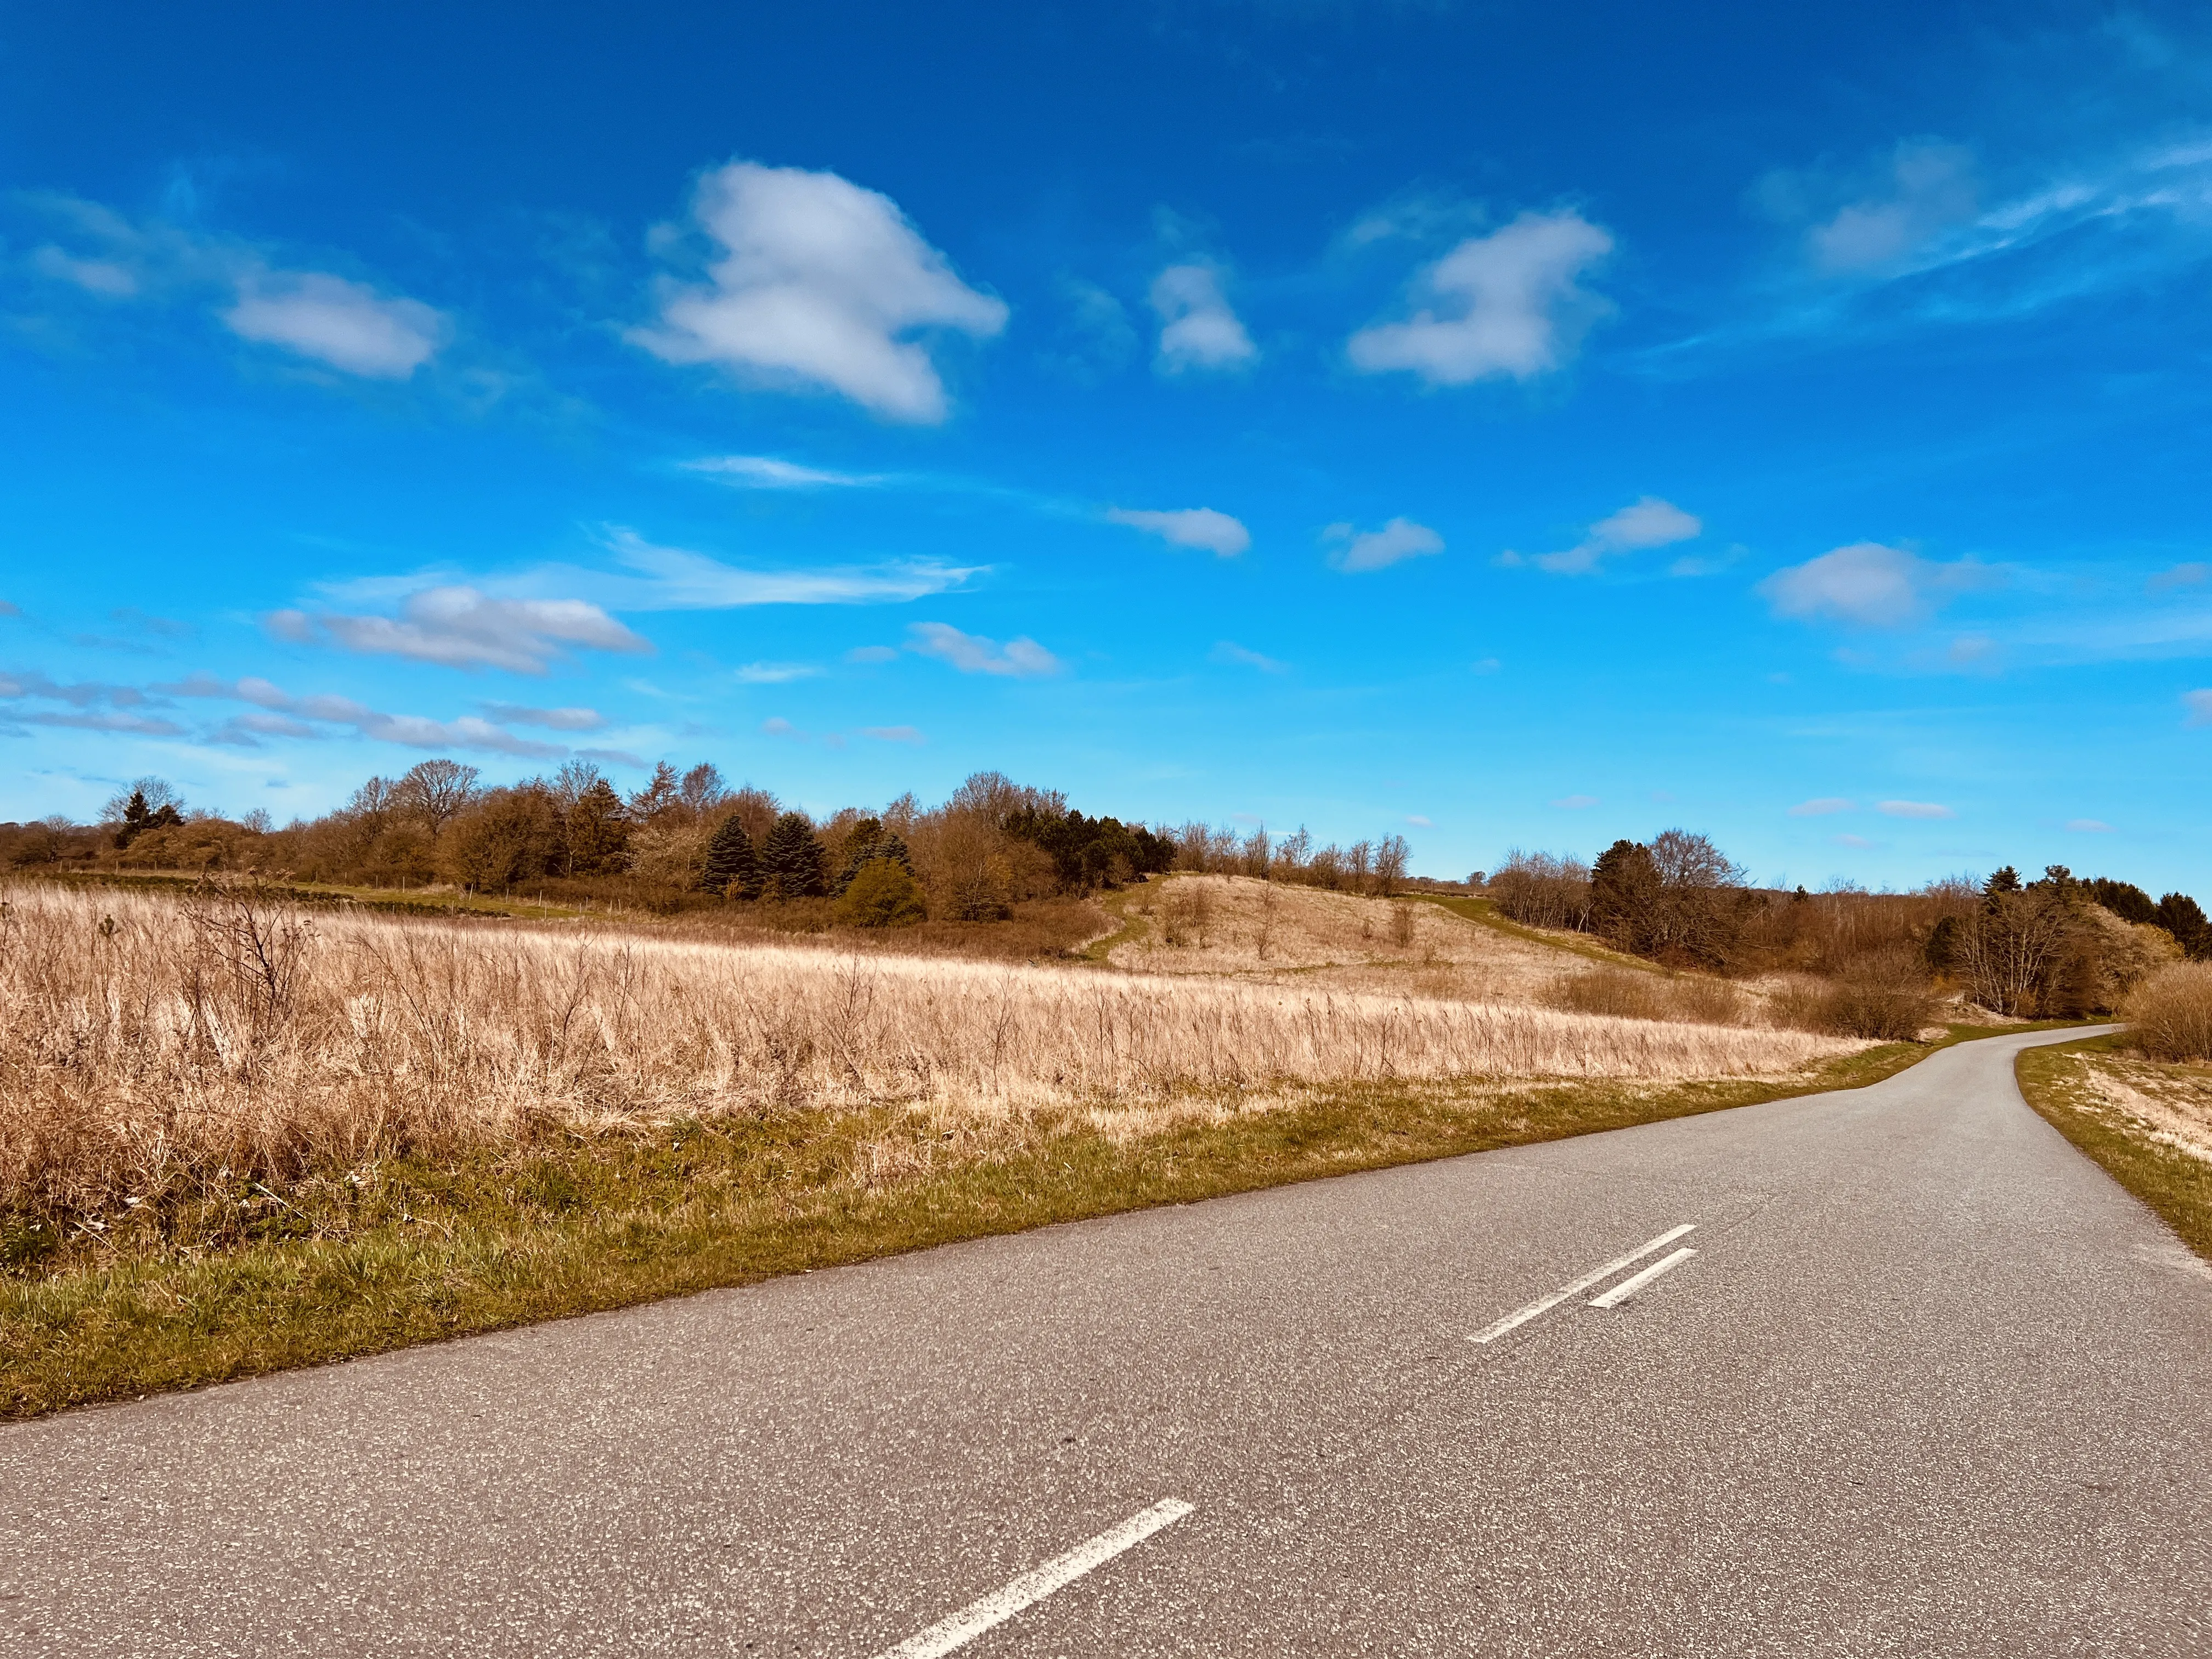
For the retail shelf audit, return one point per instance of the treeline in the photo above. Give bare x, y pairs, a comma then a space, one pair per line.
687, 838
2057, 947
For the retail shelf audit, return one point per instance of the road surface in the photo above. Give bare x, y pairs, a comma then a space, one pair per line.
1928, 1384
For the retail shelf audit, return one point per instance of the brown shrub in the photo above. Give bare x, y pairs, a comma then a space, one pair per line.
2169, 1015
1690, 998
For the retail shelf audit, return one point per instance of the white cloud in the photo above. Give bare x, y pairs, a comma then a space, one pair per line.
1506, 304
1913, 809
334, 321
554, 719
2199, 705
893, 734
767, 472
1373, 549
1859, 842
105, 277
872, 654
1420, 822
288, 716
1870, 585
776, 726
971, 653
462, 627
2090, 827
775, 673
1190, 526
316, 314
1576, 803
1931, 188
1198, 329
1822, 806
684, 580
2181, 575
1646, 523
1229, 652
818, 285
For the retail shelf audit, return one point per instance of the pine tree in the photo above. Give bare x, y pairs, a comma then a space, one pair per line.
733, 869
792, 861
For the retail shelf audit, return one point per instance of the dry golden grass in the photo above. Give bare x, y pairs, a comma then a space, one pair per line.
1273, 931
149, 1046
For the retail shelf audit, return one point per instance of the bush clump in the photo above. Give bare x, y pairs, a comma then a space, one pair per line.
883, 893
2170, 1013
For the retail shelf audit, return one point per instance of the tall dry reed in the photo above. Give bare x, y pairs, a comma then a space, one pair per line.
148, 1045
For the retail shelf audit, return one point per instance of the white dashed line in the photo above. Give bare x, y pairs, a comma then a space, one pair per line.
1628, 1287
1033, 1586
1545, 1304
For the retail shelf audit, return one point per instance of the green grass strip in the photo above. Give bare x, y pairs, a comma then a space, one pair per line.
2175, 1187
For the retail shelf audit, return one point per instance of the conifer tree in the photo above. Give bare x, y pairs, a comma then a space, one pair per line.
734, 868
792, 861
599, 835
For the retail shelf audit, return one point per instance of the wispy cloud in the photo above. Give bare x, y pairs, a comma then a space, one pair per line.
284, 715
770, 472
815, 283
893, 734
1511, 304
971, 653
1913, 809
464, 627
2180, 575
88, 706
553, 719
1576, 803
2090, 827
339, 322
1230, 653
1198, 330
2199, 705
681, 580
1191, 526
1646, 523
1360, 550
1822, 806
775, 673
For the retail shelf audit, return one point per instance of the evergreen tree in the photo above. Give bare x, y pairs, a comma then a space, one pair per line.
793, 864
598, 833
869, 843
2183, 917
734, 868
1624, 895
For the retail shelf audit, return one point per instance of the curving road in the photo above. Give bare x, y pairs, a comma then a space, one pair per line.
1930, 1383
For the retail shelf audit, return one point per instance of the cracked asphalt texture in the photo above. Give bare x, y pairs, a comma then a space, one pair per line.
1933, 1384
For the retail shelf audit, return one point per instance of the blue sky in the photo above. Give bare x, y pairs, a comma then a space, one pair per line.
1499, 425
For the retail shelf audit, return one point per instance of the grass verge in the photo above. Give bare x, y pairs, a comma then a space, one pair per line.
2059, 1082
424, 1251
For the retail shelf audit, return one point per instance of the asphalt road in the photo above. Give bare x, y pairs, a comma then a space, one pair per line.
1931, 1384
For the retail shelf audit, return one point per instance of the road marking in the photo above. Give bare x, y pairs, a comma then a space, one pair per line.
1545, 1304
1033, 1586
1628, 1287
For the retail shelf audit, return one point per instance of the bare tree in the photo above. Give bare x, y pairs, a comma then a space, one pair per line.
437, 792
1392, 855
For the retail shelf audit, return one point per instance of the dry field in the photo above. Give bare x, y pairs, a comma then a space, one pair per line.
2165, 1105
150, 1045
1273, 932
